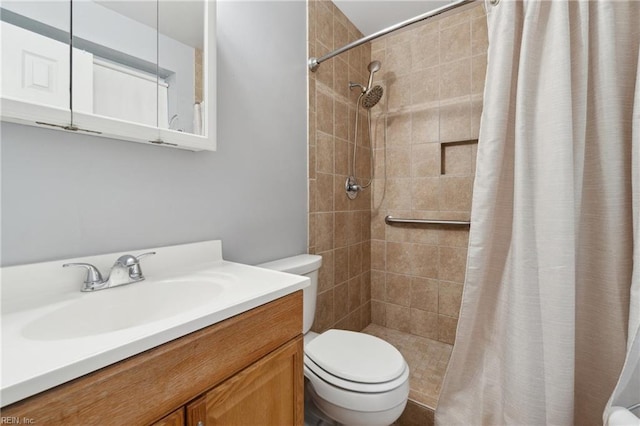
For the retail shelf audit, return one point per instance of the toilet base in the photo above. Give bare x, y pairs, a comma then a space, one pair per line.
328, 414
313, 416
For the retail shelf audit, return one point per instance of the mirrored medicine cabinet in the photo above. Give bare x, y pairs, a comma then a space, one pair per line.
136, 70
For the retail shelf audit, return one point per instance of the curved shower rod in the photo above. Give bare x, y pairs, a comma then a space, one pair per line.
314, 63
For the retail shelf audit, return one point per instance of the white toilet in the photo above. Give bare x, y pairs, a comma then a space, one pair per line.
353, 378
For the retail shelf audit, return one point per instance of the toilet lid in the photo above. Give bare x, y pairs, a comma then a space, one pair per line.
357, 357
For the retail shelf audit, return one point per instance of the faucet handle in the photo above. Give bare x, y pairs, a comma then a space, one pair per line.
93, 278
133, 263
150, 253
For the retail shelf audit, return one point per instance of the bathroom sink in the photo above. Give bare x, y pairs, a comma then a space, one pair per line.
51, 332
123, 307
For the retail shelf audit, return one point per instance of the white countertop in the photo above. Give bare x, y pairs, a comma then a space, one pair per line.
38, 353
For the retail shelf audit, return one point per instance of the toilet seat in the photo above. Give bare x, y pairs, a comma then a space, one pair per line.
356, 361
355, 386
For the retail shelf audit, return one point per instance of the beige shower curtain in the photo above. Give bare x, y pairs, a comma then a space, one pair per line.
545, 313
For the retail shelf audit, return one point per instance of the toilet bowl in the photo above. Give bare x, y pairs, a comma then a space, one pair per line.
352, 378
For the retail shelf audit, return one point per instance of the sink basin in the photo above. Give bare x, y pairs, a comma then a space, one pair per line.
122, 307
52, 333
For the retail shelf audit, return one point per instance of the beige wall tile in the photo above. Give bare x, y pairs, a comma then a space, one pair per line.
365, 288
455, 42
326, 273
425, 160
312, 230
456, 159
324, 194
425, 125
424, 294
365, 319
399, 256
452, 264
324, 27
449, 298
355, 260
425, 47
378, 313
425, 85
341, 265
324, 112
340, 32
422, 259
324, 152
453, 237
398, 194
324, 231
455, 79
340, 199
324, 317
341, 300
355, 289
398, 60
341, 157
378, 286
325, 74
398, 289
399, 161
424, 323
476, 114
423, 234
399, 129
378, 227
478, 73
455, 193
455, 120
479, 36
447, 329
341, 120
341, 226
398, 92
378, 255
425, 193
398, 317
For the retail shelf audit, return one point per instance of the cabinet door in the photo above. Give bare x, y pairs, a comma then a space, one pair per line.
174, 419
269, 392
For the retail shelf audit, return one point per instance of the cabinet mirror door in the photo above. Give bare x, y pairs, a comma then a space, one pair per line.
141, 69
115, 82
35, 62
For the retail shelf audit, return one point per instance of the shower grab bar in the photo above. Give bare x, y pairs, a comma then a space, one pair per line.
314, 63
389, 220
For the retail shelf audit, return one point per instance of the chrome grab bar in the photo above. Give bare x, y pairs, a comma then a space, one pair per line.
389, 220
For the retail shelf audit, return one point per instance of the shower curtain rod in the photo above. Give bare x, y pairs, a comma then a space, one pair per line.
314, 63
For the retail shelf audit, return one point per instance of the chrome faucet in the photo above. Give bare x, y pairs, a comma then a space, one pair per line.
126, 270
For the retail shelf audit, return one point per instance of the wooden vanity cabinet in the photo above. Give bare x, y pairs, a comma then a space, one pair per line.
246, 370
265, 393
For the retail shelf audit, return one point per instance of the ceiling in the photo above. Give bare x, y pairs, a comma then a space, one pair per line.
370, 16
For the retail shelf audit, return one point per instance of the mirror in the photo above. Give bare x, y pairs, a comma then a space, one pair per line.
140, 70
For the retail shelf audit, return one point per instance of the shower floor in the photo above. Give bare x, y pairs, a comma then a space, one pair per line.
427, 359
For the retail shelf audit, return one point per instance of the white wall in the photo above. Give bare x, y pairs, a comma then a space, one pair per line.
66, 195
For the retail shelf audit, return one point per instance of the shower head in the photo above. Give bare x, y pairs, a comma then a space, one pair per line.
372, 97
373, 68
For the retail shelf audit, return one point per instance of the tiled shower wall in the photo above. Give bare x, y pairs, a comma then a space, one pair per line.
339, 228
425, 148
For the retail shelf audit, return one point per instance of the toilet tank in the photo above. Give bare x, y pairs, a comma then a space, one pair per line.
307, 265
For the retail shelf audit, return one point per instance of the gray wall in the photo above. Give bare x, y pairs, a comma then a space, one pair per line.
66, 195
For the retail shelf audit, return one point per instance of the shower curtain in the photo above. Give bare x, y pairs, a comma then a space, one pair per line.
546, 315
